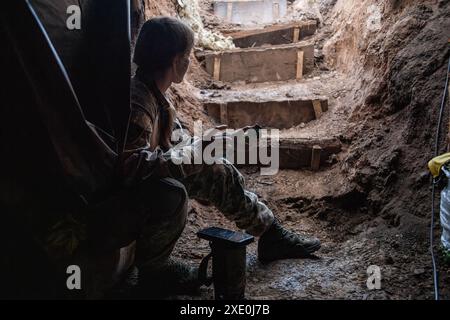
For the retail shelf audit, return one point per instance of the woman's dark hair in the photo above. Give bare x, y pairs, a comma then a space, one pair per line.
160, 40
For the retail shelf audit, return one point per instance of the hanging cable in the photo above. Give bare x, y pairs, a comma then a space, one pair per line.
433, 190
433, 258
441, 113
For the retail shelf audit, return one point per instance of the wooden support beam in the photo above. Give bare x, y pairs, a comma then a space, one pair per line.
241, 113
229, 11
274, 35
315, 158
299, 154
276, 10
296, 37
278, 63
224, 114
217, 66
318, 111
300, 58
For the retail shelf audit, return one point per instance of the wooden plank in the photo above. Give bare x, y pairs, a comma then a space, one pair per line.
296, 35
274, 35
230, 11
217, 66
315, 157
298, 153
277, 63
280, 114
317, 108
300, 57
276, 10
224, 113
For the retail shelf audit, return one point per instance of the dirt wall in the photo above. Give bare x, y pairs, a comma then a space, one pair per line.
400, 52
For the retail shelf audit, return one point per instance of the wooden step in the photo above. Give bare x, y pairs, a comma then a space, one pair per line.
277, 63
280, 114
312, 154
274, 35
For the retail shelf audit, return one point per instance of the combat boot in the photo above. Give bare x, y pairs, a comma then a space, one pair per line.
173, 278
278, 243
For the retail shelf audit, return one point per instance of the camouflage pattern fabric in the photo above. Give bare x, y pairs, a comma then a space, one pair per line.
220, 184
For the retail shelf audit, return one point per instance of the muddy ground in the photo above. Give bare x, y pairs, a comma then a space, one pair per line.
382, 65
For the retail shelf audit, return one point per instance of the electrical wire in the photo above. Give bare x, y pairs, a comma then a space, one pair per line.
433, 258
441, 113
433, 190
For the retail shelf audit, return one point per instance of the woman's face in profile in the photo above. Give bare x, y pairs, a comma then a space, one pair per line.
181, 66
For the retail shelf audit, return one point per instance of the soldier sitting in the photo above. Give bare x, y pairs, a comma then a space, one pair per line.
162, 55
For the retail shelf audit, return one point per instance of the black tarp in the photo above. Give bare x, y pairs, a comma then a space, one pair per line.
53, 79
86, 160
97, 57
74, 75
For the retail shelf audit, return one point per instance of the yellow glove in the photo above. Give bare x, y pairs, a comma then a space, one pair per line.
435, 165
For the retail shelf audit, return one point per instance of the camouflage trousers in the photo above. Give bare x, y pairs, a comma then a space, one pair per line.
222, 185
167, 215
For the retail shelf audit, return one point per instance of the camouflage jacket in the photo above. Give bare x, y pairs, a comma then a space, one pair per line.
220, 184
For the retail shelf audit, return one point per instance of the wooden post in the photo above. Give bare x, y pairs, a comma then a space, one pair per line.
296, 35
224, 114
276, 10
300, 57
217, 66
315, 158
229, 11
317, 108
